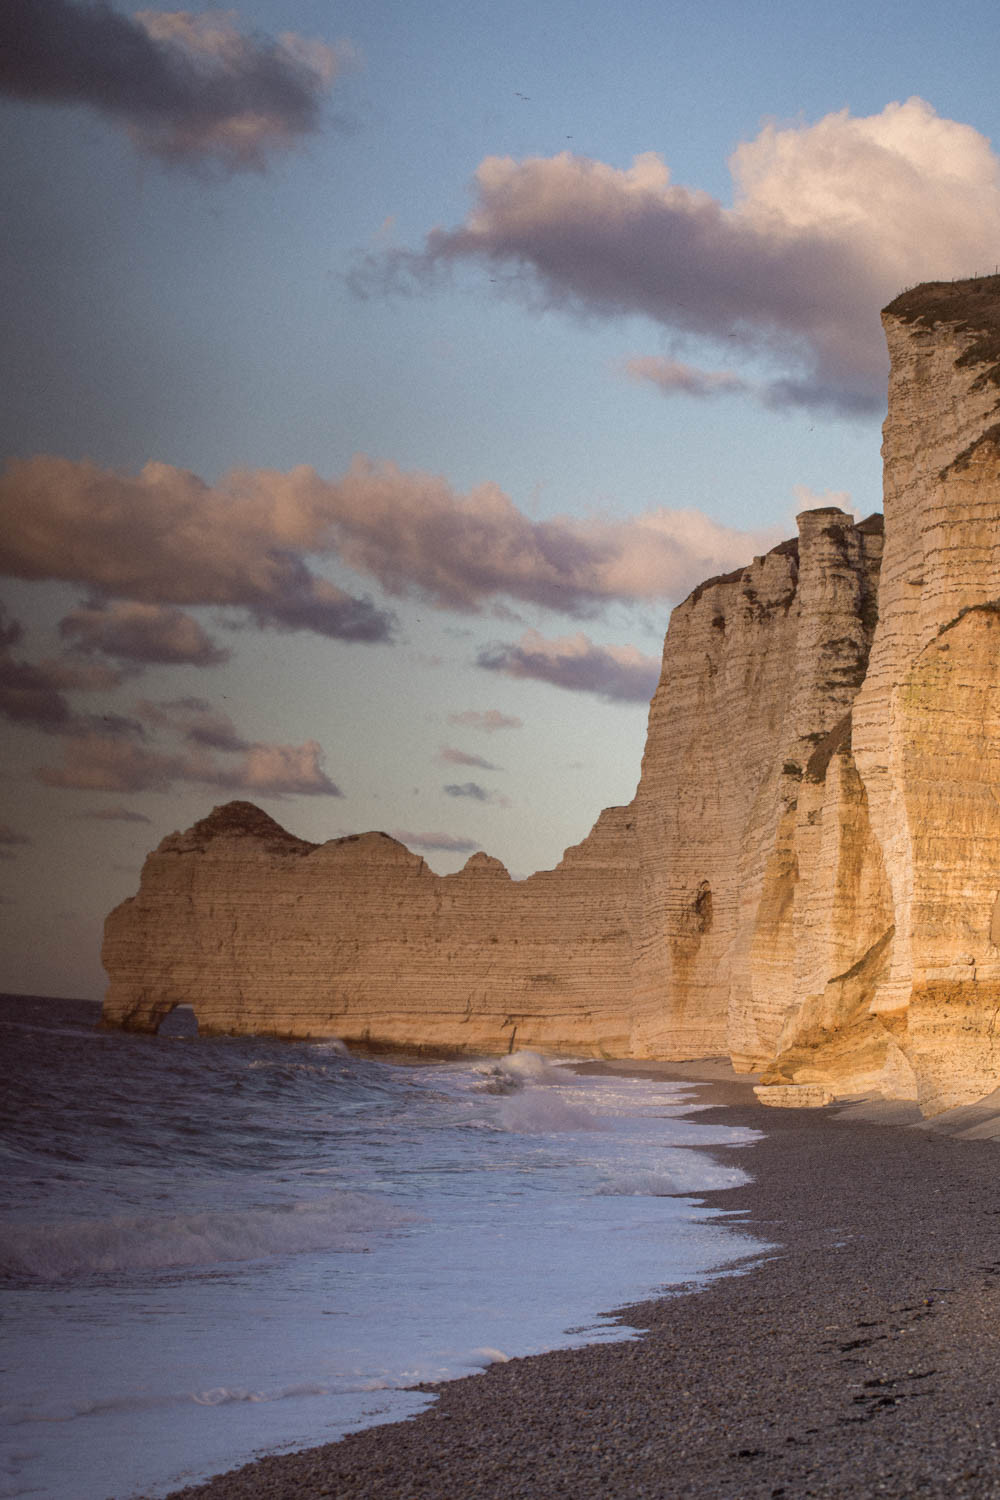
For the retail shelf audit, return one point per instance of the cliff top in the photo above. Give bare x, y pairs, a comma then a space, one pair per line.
242, 820
972, 305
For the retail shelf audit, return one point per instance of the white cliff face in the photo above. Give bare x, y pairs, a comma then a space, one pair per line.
357, 938
808, 877
926, 717
758, 668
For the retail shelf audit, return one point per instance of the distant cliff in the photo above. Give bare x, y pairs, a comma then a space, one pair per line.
808, 877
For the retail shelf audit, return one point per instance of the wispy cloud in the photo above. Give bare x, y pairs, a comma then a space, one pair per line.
489, 720
475, 791
33, 694
192, 90
196, 721
829, 221
99, 763
676, 379
615, 673
165, 537
10, 838
448, 842
142, 633
462, 758
117, 814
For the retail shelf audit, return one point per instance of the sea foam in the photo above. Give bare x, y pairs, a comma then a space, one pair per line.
152, 1242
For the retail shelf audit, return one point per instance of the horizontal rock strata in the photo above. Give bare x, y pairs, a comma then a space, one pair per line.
808, 877
357, 938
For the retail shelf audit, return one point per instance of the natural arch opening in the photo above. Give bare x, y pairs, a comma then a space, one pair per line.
179, 1021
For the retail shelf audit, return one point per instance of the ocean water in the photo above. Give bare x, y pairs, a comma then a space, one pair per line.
211, 1248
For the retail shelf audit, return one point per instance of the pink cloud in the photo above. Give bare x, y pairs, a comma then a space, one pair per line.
674, 378
100, 763
828, 222
456, 757
436, 841
166, 538
146, 633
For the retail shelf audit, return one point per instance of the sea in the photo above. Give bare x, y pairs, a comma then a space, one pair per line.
212, 1248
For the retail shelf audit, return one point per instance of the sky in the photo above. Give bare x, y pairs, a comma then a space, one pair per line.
377, 377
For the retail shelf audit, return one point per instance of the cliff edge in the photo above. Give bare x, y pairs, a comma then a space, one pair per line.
808, 877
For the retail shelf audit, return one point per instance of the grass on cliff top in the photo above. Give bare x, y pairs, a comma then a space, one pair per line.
972, 305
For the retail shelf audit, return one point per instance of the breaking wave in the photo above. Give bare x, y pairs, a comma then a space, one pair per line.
82, 1247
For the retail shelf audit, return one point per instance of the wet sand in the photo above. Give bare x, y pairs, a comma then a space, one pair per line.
861, 1357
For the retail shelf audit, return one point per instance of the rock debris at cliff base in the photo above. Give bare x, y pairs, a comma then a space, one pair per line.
807, 879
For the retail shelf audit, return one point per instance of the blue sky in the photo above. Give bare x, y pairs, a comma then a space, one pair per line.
507, 255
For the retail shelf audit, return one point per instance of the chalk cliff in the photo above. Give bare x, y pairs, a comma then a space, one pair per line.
357, 938
807, 877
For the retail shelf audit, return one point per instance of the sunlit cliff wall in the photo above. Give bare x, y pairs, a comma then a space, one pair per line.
262, 932
808, 877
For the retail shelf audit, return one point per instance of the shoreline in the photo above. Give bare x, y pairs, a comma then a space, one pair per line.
858, 1357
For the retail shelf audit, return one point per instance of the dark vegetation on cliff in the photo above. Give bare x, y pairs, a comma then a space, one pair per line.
973, 305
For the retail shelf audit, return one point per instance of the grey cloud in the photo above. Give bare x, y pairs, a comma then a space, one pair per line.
462, 758
10, 838
116, 814
197, 721
468, 789
189, 89
441, 841
33, 694
144, 633
11, 630
489, 720
615, 673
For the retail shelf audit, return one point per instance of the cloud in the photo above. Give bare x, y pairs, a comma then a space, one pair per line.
10, 838
463, 758
674, 378
489, 720
432, 841
165, 537
469, 789
615, 673
191, 90
828, 222
98, 762
197, 721
279, 771
32, 694
146, 633
116, 814
111, 755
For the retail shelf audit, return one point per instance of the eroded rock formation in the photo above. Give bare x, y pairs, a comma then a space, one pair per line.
357, 938
807, 878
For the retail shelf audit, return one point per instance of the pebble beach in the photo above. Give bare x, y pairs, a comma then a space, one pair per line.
861, 1356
